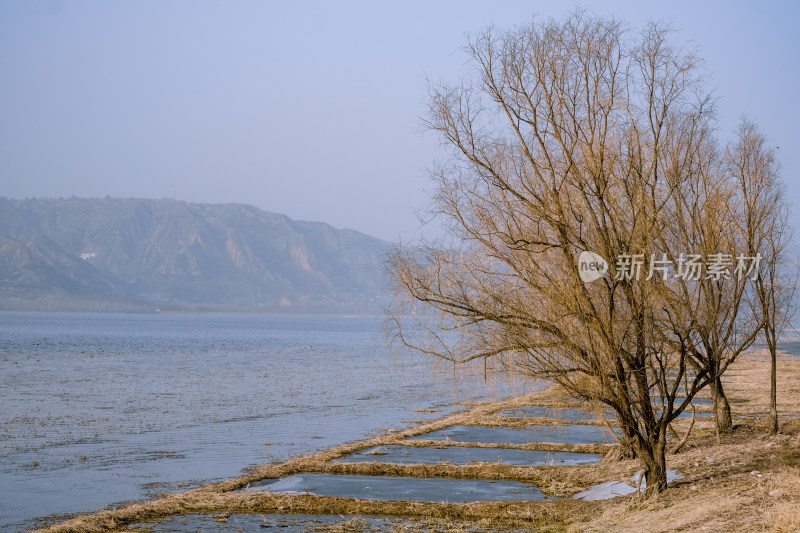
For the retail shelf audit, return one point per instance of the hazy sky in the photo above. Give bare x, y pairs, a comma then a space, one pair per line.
311, 109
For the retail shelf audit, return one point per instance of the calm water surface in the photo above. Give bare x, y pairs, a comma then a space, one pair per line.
97, 410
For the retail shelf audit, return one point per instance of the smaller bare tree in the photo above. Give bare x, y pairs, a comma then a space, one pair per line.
764, 221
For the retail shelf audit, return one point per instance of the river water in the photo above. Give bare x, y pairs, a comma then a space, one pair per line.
101, 409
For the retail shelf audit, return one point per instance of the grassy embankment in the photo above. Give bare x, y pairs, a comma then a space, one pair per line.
747, 482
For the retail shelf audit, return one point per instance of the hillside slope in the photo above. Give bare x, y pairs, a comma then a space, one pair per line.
177, 254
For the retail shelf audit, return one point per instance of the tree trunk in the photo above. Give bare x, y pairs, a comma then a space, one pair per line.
773, 380
654, 463
722, 409
773, 398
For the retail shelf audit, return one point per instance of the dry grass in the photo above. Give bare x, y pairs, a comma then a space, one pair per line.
748, 383
523, 422
732, 487
533, 446
748, 482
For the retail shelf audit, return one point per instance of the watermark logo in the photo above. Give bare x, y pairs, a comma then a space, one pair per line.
689, 267
591, 266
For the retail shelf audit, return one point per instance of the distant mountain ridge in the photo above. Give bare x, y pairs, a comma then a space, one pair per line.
165, 254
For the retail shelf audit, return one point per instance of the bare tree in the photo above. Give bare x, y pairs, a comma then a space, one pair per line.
574, 137
764, 225
714, 324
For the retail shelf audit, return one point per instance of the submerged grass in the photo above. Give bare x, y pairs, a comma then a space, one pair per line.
748, 481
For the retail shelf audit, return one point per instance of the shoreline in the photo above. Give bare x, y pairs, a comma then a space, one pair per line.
748, 478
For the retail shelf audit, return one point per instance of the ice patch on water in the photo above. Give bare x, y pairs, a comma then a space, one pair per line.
612, 489
382, 488
604, 491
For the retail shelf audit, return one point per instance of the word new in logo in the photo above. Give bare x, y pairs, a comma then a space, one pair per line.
591, 266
